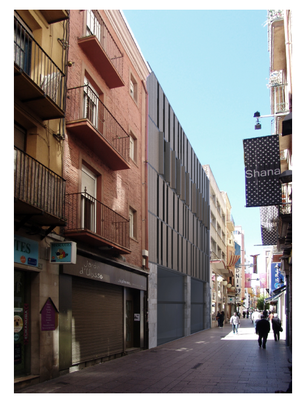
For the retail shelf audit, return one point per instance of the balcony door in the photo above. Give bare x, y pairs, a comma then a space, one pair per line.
88, 199
90, 103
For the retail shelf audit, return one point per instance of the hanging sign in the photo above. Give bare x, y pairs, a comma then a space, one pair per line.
262, 171
63, 253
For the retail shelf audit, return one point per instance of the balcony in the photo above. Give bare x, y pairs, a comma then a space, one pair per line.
91, 222
38, 82
89, 120
230, 223
38, 192
53, 16
102, 50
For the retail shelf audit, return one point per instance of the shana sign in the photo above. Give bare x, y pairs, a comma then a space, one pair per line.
262, 171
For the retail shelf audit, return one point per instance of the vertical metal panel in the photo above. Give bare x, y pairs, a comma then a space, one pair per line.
178, 176
152, 190
170, 200
151, 83
166, 118
175, 251
180, 216
164, 245
169, 246
193, 198
153, 146
173, 169
187, 189
161, 127
161, 153
160, 198
152, 240
183, 184
167, 162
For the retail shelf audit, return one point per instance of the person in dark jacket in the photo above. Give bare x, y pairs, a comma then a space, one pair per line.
221, 319
276, 326
262, 329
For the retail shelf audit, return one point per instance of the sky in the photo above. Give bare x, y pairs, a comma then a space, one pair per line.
213, 66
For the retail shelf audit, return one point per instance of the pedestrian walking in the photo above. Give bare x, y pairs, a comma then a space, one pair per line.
255, 317
247, 313
234, 321
221, 319
262, 329
276, 326
218, 318
244, 313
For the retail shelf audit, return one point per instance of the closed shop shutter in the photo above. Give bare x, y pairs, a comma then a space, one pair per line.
97, 327
197, 305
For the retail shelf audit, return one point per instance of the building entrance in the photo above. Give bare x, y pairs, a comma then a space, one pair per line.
21, 324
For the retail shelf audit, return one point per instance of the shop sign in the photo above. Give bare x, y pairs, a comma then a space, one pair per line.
277, 278
26, 251
96, 270
49, 316
63, 253
262, 171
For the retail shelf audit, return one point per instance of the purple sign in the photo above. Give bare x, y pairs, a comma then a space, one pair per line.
49, 316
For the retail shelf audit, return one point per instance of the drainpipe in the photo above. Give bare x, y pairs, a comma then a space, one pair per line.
146, 173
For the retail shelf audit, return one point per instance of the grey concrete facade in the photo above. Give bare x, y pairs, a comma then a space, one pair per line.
179, 226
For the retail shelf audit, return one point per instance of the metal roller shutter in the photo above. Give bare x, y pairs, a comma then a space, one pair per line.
97, 327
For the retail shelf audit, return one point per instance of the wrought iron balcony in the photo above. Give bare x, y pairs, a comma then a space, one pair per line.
89, 119
92, 222
102, 50
39, 192
38, 82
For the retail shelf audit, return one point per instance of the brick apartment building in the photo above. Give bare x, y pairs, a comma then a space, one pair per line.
103, 296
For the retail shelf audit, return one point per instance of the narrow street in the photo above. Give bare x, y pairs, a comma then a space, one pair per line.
212, 361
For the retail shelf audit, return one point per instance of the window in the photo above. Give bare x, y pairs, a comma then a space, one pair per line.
133, 147
132, 223
133, 88
88, 189
22, 47
90, 103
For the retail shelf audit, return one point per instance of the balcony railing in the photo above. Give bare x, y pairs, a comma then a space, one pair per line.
38, 188
102, 50
103, 132
92, 221
38, 80
285, 209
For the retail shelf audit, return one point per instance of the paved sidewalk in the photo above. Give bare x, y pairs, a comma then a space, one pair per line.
212, 361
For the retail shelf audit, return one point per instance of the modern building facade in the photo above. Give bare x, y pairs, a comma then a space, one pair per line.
103, 297
178, 220
40, 46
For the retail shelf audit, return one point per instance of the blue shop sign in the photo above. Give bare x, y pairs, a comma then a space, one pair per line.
26, 251
63, 252
277, 278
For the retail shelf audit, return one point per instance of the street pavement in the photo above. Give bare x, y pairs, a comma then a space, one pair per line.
211, 361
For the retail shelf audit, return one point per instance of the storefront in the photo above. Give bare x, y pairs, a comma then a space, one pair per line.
102, 312
26, 254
